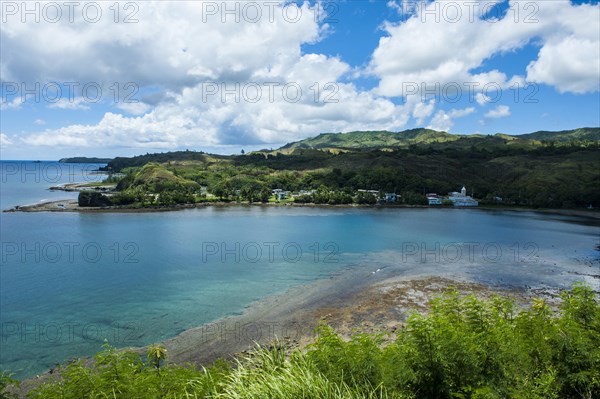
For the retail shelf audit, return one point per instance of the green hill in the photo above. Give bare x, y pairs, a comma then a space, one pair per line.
583, 134
120, 163
156, 178
542, 169
428, 137
373, 139
381, 140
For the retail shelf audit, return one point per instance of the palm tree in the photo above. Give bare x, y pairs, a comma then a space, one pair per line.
156, 353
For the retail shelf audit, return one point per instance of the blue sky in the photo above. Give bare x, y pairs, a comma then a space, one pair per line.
376, 65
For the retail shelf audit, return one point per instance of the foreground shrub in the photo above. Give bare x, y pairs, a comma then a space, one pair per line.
463, 348
471, 348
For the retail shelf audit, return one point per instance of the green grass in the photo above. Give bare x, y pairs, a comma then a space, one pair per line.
463, 347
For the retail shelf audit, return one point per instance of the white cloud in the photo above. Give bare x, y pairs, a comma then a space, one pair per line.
134, 108
423, 110
459, 113
173, 45
399, 6
425, 50
570, 64
443, 120
192, 121
482, 99
188, 61
4, 140
13, 104
39, 122
501, 111
177, 64
78, 103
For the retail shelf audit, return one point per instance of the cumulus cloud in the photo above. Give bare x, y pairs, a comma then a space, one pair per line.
198, 82
482, 99
399, 6
195, 46
196, 119
12, 104
444, 121
570, 64
278, 105
500, 111
218, 83
134, 108
4, 140
423, 110
434, 46
78, 103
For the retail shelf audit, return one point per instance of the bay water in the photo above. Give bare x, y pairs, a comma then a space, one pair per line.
69, 281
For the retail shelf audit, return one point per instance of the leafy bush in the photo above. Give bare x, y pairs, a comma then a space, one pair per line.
364, 198
5, 381
93, 198
123, 374
469, 348
463, 348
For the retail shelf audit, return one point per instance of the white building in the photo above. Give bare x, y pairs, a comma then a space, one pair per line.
433, 199
462, 199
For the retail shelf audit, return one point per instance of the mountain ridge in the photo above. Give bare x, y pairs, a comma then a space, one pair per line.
383, 139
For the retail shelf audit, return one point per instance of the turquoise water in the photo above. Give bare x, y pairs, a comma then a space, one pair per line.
68, 280
27, 182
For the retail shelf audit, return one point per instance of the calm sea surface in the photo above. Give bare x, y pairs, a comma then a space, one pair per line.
68, 280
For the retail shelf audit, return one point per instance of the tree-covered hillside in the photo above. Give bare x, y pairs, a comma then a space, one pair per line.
550, 170
583, 134
378, 139
424, 137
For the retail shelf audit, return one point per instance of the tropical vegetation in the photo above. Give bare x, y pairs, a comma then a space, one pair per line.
542, 169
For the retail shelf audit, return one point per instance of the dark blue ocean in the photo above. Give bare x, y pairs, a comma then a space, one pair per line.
68, 281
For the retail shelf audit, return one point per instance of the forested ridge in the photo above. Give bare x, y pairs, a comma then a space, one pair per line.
542, 169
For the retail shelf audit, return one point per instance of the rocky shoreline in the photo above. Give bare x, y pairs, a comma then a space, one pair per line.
72, 206
76, 187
